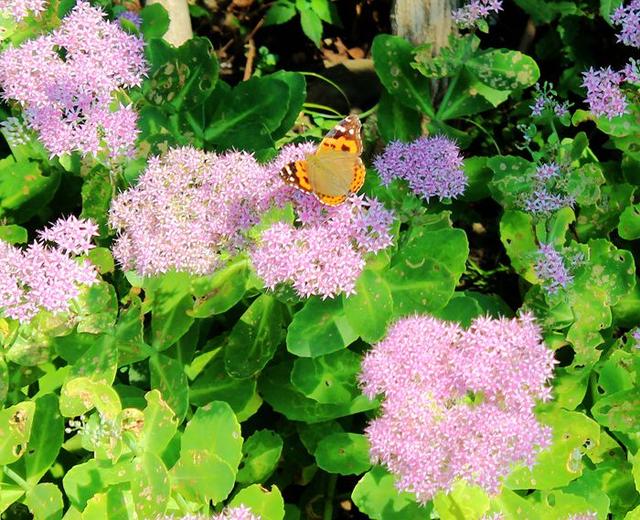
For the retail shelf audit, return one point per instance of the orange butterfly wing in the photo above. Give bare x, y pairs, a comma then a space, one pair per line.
345, 139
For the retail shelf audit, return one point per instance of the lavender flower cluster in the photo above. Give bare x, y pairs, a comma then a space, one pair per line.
66, 82
604, 94
546, 99
469, 15
20, 9
628, 18
457, 404
46, 277
241, 512
547, 195
432, 166
324, 254
550, 268
188, 211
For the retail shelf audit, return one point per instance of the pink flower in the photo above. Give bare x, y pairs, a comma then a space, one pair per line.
189, 212
325, 252
20, 9
45, 278
66, 83
457, 404
72, 235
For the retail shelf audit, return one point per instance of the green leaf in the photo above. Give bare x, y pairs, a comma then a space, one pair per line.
319, 328
4, 380
109, 505
13, 234
296, 97
213, 384
260, 455
574, 435
97, 308
396, 121
46, 438
504, 69
280, 12
330, 379
619, 411
100, 362
201, 476
10, 494
160, 424
629, 226
511, 179
182, 77
518, 238
96, 197
155, 21
598, 220
377, 496
44, 501
81, 394
392, 58
167, 376
150, 488
219, 292
311, 25
343, 453
277, 390
15, 431
607, 7
254, 338
267, 505
370, 308
170, 303
24, 189
463, 501
423, 277
478, 176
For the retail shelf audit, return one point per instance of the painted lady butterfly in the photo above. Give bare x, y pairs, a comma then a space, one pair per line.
335, 170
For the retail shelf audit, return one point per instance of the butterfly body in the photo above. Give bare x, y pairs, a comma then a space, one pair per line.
335, 170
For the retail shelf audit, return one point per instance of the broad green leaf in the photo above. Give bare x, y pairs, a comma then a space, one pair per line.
44, 501
254, 338
111, 505
377, 496
629, 226
330, 379
4, 380
311, 25
9, 494
267, 505
280, 12
214, 429
160, 424
319, 328
168, 377
46, 438
574, 436
312, 434
169, 310
370, 308
598, 220
82, 394
619, 411
201, 475
461, 308
504, 69
180, 77
82, 482
97, 308
462, 502
15, 431
219, 292
426, 269
260, 455
392, 57
518, 238
96, 197
100, 362
213, 384
343, 453
277, 390
150, 488
478, 176
396, 121
155, 21
511, 179
297, 86
13, 234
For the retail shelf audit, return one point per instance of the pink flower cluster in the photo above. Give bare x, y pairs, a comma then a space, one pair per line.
20, 9
458, 404
66, 83
474, 11
604, 93
324, 253
628, 18
43, 277
188, 212
241, 512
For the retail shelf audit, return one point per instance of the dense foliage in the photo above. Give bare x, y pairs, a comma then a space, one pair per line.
185, 334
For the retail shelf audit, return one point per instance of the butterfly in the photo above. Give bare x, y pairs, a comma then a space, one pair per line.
335, 170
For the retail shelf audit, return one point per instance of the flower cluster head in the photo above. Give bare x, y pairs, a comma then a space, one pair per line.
457, 404
432, 166
323, 254
46, 277
547, 194
132, 17
20, 9
589, 515
551, 268
469, 15
66, 82
628, 18
546, 99
604, 95
189, 211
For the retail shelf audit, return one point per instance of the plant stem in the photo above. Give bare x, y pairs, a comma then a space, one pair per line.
329, 497
16, 478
